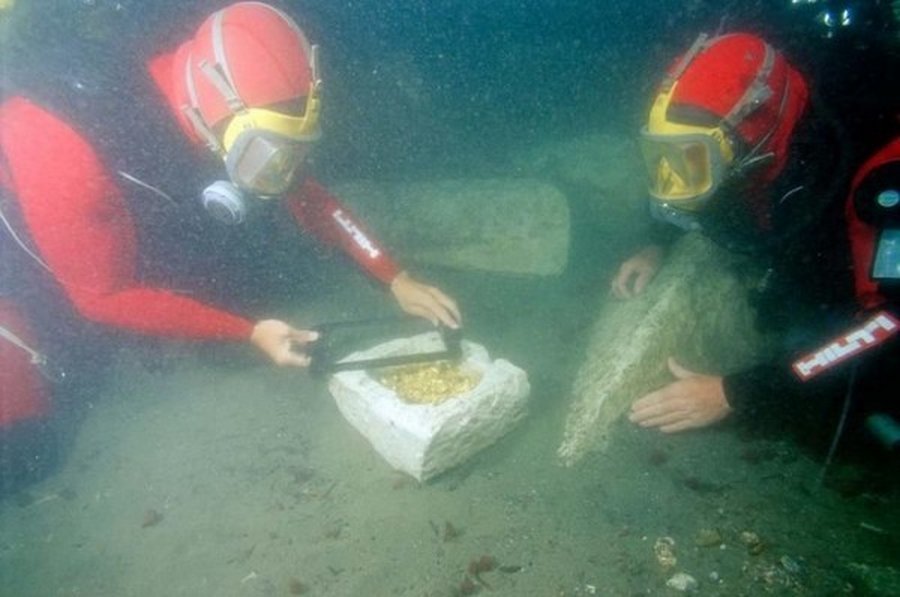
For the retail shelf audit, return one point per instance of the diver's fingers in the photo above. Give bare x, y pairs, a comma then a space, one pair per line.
656, 401
453, 318
682, 425
303, 337
422, 311
641, 280
292, 359
447, 317
620, 283
436, 307
665, 419
679, 371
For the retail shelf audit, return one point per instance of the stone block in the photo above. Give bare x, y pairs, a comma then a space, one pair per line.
607, 166
696, 309
514, 226
425, 440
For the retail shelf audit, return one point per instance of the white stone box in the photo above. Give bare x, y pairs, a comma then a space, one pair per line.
425, 440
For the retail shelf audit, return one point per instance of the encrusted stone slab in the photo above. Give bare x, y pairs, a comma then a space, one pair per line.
696, 309
427, 439
515, 226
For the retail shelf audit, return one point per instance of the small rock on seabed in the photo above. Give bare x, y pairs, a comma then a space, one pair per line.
682, 582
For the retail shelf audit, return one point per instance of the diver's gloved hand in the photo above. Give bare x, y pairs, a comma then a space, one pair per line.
425, 301
282, 343
636, 272
690, 402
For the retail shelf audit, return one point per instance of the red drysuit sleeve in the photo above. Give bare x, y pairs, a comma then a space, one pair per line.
320, 213
79, 224
315, 209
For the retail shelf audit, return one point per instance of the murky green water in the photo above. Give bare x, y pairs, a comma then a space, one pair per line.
198, 470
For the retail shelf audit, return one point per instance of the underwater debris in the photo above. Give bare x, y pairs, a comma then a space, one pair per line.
467, 587
683, 582
485, 563
481, 565
702, 486
755, 545
296, 586
708, 538
450, 532
658, 457
664, 549
151, 518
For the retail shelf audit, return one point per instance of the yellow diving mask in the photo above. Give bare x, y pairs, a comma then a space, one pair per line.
264, 149
685, 163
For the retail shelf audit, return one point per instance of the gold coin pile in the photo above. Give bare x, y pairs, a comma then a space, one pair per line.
428, 383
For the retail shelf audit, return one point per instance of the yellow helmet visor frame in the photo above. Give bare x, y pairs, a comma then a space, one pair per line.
304, 129
245, 119
264, 149
685, 163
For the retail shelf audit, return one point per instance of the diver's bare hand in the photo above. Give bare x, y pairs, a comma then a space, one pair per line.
636, 272
691, 401
425, 301
282, 343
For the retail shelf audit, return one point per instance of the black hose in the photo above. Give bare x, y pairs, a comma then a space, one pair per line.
839, 430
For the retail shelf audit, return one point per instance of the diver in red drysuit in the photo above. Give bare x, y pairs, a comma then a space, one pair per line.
66, 210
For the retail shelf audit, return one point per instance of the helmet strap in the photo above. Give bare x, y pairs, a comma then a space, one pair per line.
756, 94
203, 131
219, 76
193, 115
754, 158
216, 75
698, 46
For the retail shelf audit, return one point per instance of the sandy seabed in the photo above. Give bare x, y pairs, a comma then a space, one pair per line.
223, 477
